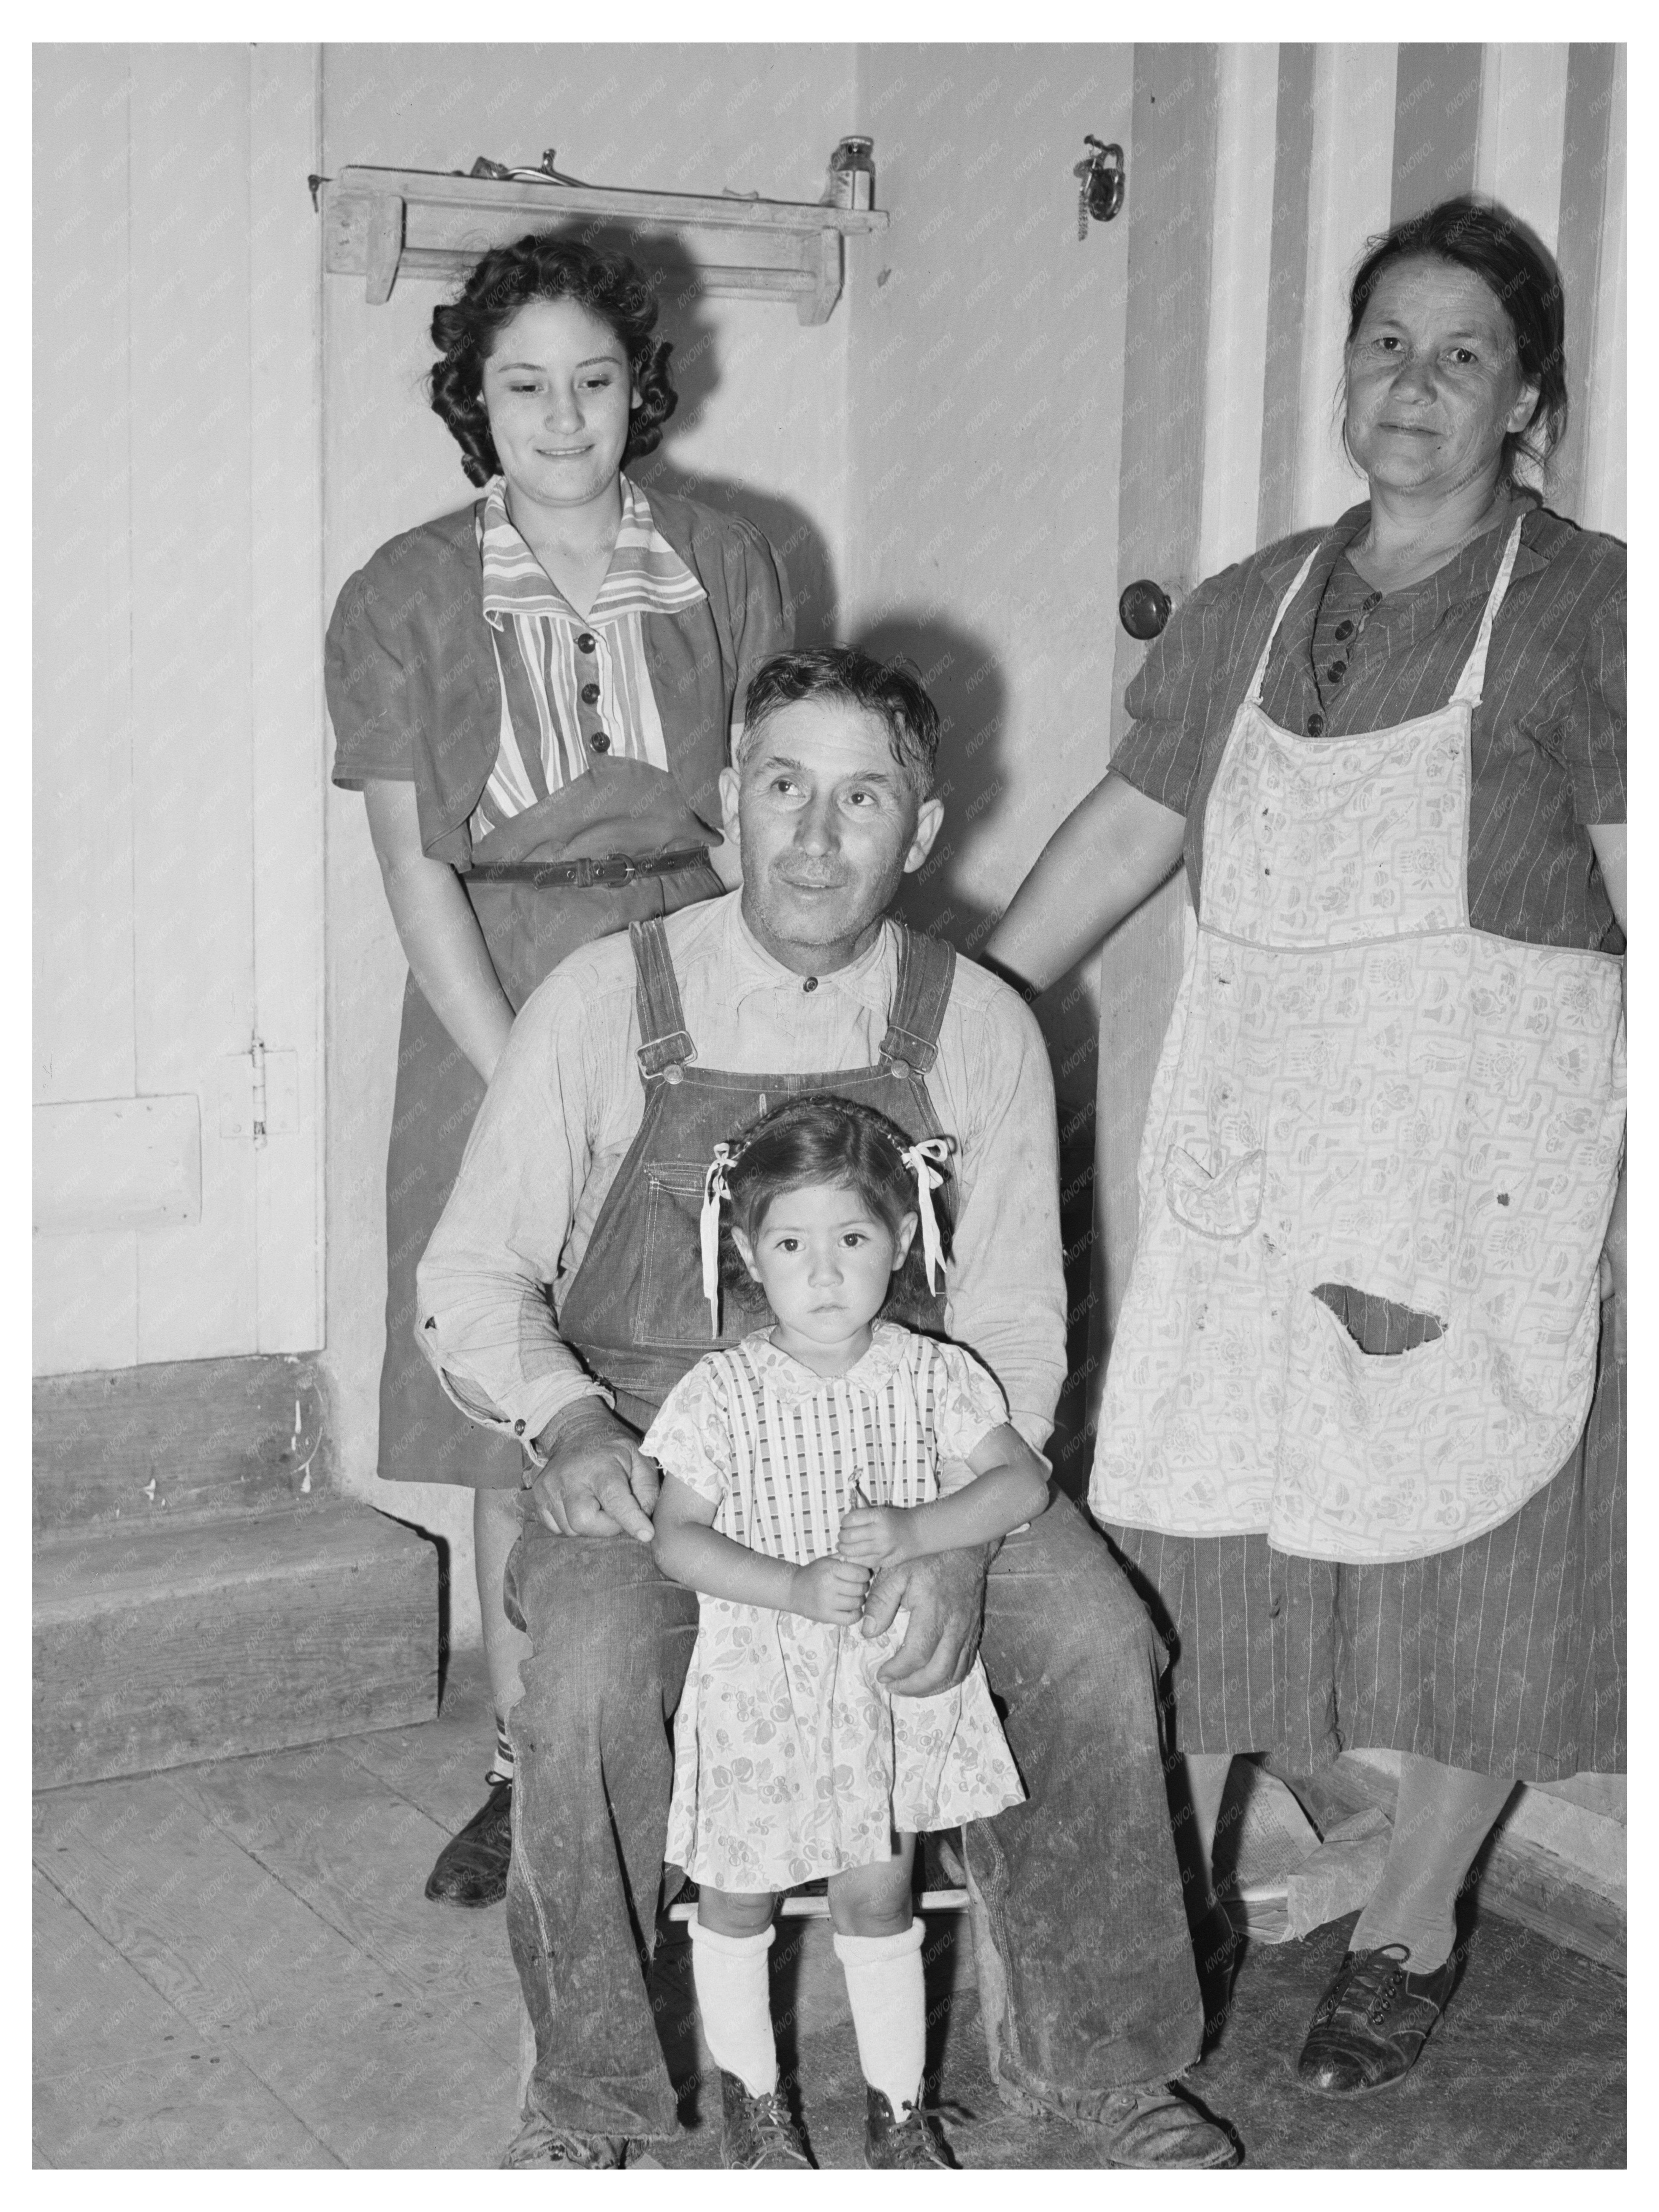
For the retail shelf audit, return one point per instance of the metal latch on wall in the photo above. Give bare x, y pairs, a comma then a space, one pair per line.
259, 1094
1100, 183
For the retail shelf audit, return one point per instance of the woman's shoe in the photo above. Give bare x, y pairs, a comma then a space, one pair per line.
472, 1867
1372, 2023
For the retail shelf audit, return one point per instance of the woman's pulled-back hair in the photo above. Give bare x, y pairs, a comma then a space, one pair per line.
818, 1137
1516, 269
544, 265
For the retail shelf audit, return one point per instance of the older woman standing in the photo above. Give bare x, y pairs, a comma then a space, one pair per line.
535, 695
1344, 1435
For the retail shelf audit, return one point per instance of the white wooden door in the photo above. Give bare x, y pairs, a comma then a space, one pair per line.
178, 763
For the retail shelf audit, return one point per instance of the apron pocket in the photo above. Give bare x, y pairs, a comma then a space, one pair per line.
1226, 1203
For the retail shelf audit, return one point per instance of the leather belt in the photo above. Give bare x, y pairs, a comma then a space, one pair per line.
616, 869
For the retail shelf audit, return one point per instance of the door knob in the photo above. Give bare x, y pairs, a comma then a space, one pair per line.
1144, 608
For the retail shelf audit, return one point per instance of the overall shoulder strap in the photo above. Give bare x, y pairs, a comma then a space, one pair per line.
926, 969
665, 1041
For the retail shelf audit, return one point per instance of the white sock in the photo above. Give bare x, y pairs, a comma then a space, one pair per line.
883, 1987
729, 1972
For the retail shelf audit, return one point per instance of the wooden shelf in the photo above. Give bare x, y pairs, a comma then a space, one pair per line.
384, 224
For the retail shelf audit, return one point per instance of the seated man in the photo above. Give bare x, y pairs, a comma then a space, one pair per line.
583, 1177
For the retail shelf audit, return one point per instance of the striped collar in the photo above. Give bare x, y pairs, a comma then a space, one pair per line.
646, 576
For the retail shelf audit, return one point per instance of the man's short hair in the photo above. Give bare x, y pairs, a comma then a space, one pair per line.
887, 689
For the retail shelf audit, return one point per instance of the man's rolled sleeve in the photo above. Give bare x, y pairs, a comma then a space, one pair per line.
484, 1315
1007, 1285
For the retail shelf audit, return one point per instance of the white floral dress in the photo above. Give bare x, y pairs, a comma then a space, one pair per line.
790, 1760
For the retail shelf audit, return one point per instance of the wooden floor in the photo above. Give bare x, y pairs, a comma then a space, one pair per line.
235, 1966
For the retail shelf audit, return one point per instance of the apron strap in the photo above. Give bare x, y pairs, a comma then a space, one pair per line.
1253, 697
927, 970
1472, 682
665, 1041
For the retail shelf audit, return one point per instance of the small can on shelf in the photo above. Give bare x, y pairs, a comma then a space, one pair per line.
852, 175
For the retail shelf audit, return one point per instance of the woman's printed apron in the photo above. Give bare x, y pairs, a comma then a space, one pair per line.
1359, 1094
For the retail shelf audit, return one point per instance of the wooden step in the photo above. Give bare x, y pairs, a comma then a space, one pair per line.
183, 1439
167, 1641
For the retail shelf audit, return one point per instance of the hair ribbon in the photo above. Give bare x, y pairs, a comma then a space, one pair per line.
716, 1187
924, 1158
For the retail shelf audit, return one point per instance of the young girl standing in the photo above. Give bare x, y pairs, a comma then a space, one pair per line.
796, 1463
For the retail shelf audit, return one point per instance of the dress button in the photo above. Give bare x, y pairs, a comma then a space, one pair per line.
1315, 725
589, 695
518, 1428
599, 742
1345, 629
1375, 599
810, 984
675, 1073
585, 642
1336, 672
900, 1068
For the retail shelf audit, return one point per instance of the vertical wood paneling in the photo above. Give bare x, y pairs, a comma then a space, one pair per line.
1172, 158
287, 705
1240, 297
82, 782
85, 1288
1348, 201
1602, 486
1436, 123
1582, 237
192, 650
1523, 102
1287, 292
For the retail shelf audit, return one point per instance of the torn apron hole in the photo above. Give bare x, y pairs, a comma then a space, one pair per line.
1380, 1328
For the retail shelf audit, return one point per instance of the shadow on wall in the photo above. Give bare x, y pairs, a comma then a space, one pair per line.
947, 896
694, 366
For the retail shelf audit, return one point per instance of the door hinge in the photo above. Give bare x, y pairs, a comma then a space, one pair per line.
259, 1094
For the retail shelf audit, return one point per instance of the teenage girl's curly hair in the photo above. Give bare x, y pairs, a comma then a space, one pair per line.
818, 1137
544, 265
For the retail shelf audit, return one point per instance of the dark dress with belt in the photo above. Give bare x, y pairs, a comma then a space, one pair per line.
414, 681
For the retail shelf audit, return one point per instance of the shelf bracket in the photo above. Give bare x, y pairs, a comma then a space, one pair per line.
383, 246
824, 265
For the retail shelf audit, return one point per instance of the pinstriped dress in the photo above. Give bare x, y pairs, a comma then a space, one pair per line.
791, 1761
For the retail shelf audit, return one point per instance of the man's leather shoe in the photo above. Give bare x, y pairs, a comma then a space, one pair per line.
1370, 2026
1156, 2128
538, 2143
472, 1867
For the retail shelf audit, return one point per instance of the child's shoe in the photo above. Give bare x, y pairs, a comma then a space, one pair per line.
756, 2130
914, 2141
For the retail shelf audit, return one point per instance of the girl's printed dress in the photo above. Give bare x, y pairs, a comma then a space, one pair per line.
790, 1760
